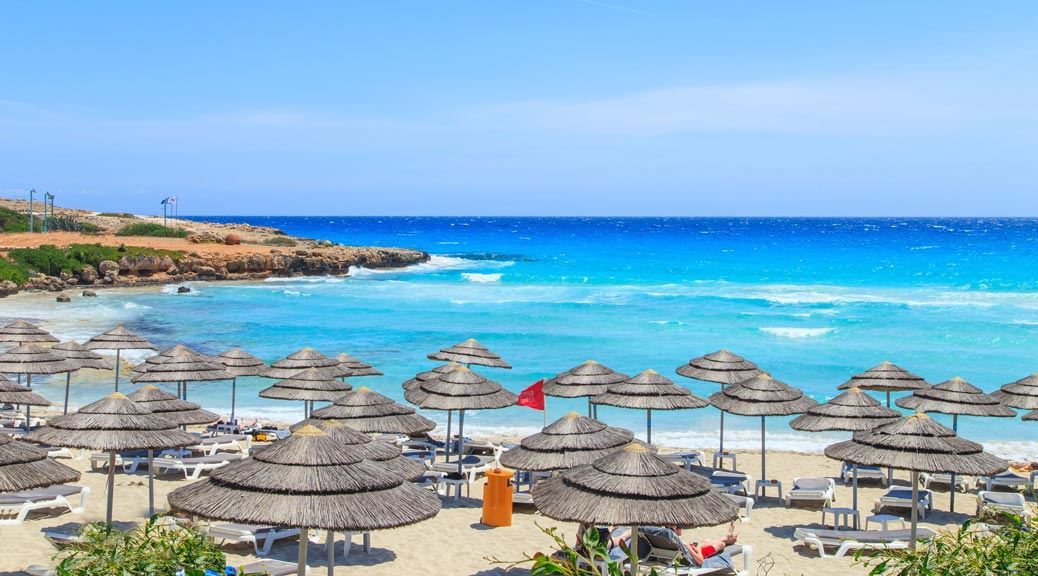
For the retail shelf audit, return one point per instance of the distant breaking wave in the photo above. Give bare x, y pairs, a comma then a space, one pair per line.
435, 264
791, 332
481, 278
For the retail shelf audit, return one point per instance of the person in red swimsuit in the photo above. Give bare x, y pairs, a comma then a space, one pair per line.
703, 550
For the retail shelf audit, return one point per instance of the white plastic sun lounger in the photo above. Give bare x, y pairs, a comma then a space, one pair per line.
1005, 479
902, 498
15, 506
962, 483
686, 459
744, 503
997, 502
194, 466
812, 490
663, 551
262, 538
128, 461
226, 443
273, 568
852, 540
864, 473
472, 466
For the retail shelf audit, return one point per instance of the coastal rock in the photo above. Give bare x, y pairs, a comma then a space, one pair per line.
63, 298
89, 294
107, 266
65, 276
110, 277
208, 271
232, 240
183, 290
145, 264
8, 288
88, 275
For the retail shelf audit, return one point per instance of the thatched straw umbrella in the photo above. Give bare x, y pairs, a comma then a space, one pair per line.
415, 382
587, 379
368, 411
632, 487
302, 359
21, 332
118, 339
723, 367
311, 479
113, 424
32, 359
956, 397
182, 366
179, 412
649, 391
1030, 416
885, 377
919, 444
461, 389
469, 353
356, 366
24, 467
239, 363
81, 356
309, 385
368, 448
762, 396
12, 393
1022, 393
570, 441
852, 411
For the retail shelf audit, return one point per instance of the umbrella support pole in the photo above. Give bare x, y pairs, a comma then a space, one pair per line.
234, 393
595, 412
955, 428
855, 497
68, 383
915, 507
461, 441
329, 546
633, 547
890, 471
590, 408
648, 426
28, 384
447, 442
117, 351
763, 460
111, 487
304, 541
151, 483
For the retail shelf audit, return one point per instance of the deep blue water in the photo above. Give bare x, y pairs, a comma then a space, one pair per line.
811, 300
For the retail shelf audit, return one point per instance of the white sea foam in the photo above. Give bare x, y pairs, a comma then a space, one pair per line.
1024, 322
132, 305
436, 263
481, 278
194, 286
295, 293
793, 332
308, 279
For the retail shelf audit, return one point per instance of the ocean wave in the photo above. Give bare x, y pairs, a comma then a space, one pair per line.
794, 332
308, 279
295, 293
133, 305
172, 288
481, 278
435, 264
667, 322
1024, 322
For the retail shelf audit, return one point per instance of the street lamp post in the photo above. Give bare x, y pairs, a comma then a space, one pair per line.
31, 217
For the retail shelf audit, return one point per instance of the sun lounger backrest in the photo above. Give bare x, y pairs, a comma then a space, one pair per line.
812, 484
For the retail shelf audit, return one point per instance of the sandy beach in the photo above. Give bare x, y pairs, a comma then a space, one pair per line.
421, 548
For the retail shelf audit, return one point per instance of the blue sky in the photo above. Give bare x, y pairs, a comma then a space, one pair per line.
618, 107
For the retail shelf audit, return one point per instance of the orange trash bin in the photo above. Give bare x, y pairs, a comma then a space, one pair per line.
497, 498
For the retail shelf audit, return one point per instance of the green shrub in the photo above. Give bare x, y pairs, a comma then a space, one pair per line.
45, 259
148, 550
13, 221
116, 214
151, 229
50, 260
280, 241
1011, 548
568, 561
71, 224
13, 271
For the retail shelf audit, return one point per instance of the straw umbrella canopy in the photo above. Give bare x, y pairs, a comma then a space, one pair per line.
956, 397
851, 411
470, 352
180, 412
238, 363
300, 360
22, 332
632, 487
118, 339
370, 449
309, 385
1031, 416
461, 389
13, 393
1022, 394
32, 359
723, 367
312, 479
919, 444
182, 366
415, 382
587, 379
886, 377
762, 396
83, 357
368, 411
356, 366
113, 424
24, 467
570, 441
649, 391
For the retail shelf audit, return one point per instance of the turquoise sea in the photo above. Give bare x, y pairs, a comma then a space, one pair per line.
810, 300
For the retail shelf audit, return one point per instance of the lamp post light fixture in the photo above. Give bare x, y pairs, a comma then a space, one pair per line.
32, 193
47, 196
